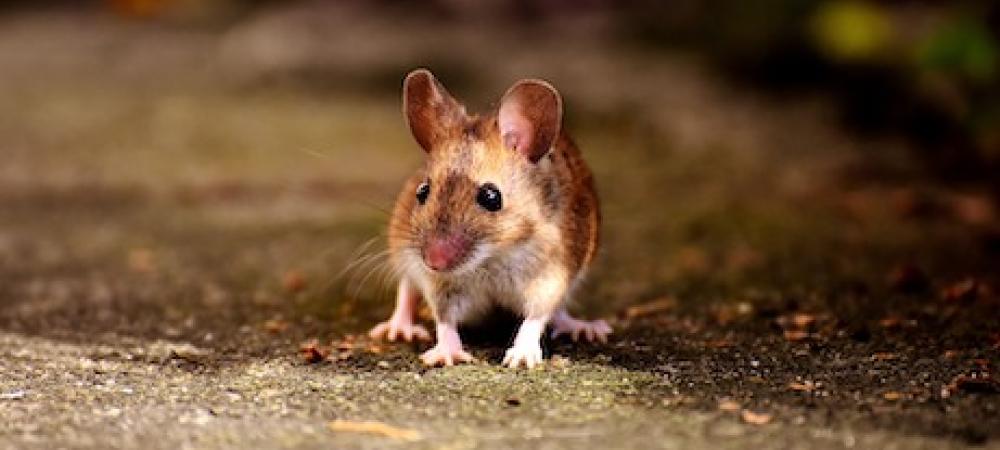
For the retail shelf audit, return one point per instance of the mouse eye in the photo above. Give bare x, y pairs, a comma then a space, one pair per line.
489, 197
423, 191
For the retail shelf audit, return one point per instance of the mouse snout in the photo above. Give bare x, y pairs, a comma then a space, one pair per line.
443, 253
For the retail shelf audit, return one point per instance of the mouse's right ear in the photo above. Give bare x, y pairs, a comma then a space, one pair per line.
430, 111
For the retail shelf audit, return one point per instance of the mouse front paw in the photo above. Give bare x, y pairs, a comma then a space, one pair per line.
445, 355
529, 355
390, 330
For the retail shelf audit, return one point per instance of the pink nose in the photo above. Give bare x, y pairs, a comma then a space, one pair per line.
445, 252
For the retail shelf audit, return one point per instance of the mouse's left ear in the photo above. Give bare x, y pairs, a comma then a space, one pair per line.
530, 117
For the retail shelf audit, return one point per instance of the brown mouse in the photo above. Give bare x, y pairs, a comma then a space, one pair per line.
502, 212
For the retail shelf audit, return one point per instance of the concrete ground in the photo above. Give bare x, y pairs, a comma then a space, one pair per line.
179, 205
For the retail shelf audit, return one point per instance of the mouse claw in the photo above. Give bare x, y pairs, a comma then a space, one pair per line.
529, 356
445, 356
391, 330
593, 331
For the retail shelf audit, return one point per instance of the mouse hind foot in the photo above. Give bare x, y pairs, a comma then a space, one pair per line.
591, 330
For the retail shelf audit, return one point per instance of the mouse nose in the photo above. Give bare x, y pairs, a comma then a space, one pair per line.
445, 252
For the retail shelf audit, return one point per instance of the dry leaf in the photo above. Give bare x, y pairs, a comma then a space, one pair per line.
654, 307
974, 382
312, 352
796, 335
807, 386
883, 356
720, 343
755, 418
892, 396
379, 428
802, 320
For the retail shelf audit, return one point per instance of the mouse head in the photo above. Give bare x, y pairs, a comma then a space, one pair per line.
486, 181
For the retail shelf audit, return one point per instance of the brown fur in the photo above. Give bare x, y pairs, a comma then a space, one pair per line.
566, 189
546, 233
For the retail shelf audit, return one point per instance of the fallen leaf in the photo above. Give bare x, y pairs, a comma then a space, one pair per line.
293, 281
379, 428
892, 396
654, 307
312, 352
978, 383
755, 418
719, 343
796, 335
802, 320
883, 356
807, 386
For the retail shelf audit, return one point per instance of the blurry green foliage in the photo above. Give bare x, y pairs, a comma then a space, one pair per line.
963, 47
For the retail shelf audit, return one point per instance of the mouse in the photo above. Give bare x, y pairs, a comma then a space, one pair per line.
502, 212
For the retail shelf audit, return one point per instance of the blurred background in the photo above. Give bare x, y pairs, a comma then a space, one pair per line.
800, 203
232, 157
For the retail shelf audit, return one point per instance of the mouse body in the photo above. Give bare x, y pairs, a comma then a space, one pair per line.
502, 212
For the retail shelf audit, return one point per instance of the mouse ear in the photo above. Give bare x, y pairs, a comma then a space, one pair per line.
530, 117
430, 111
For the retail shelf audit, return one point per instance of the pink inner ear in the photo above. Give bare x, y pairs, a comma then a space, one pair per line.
515, 129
